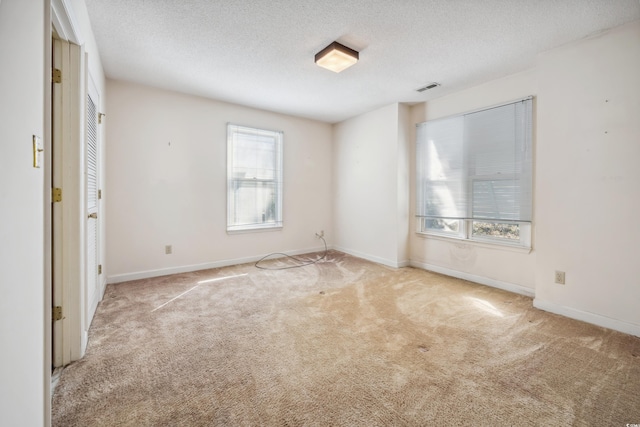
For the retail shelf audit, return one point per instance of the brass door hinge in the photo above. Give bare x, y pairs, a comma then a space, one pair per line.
99, 268
100, 116
56, 313
56, 195
99, 194
56, 75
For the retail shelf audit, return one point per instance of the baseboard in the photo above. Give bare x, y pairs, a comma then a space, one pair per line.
119, 278
372, 258
585, 316
506, 286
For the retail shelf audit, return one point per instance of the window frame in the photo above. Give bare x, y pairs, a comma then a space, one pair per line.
465, 232
233, 130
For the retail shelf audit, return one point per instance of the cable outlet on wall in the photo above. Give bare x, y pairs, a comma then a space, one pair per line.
560, 277
168, 249
320, 234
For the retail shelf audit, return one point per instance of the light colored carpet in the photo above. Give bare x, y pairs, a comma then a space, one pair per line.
341, 343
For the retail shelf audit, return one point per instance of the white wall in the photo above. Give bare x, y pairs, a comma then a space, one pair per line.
22, 283
588, 182
370, 165
403, 178
161, 194
511, 269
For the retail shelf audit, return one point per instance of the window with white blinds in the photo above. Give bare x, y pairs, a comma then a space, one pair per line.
254, 178
474, 174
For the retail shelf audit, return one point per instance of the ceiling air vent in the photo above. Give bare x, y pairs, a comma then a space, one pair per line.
427, 87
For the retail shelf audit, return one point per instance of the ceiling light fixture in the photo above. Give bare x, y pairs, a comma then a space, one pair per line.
336, 57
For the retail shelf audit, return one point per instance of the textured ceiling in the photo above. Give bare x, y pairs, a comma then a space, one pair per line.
260, 52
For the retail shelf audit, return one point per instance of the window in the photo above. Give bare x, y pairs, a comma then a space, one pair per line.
254, 178
474, 175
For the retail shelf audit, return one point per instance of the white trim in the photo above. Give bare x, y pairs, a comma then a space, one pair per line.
585, 316
119, 278
501, 246
64, 21
373, 258
506, 286
48, 225
253, 229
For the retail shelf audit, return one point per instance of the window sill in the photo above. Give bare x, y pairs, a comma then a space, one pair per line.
254, 229
478, 243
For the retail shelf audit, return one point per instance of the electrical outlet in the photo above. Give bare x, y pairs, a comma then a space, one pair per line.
168, 249
560, 277
320, 234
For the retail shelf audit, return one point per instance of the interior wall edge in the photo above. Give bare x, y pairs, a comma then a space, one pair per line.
48, 255
511, 287
584, 316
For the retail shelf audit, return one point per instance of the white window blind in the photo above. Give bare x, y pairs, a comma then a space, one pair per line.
476, 166
254, 178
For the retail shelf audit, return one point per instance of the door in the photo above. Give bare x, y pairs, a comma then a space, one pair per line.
68, 274
56, 98
60, 61
75, 171
92, 196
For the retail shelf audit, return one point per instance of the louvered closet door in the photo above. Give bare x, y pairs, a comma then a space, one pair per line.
92, 208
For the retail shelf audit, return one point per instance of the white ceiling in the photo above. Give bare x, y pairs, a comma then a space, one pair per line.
260, 53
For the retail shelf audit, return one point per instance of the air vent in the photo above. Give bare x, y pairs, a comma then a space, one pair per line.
427, 87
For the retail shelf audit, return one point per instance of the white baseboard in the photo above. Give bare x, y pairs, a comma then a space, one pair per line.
119, 278
373, 258
594, 319
511, 287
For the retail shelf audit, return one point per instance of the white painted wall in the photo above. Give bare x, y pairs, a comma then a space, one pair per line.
512, 269
22, 282
370, 166
161, 194
588, 182
405, 142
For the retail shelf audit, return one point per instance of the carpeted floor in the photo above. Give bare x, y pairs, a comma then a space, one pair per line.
344, 342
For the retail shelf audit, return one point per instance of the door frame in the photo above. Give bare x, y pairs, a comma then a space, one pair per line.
68, 224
